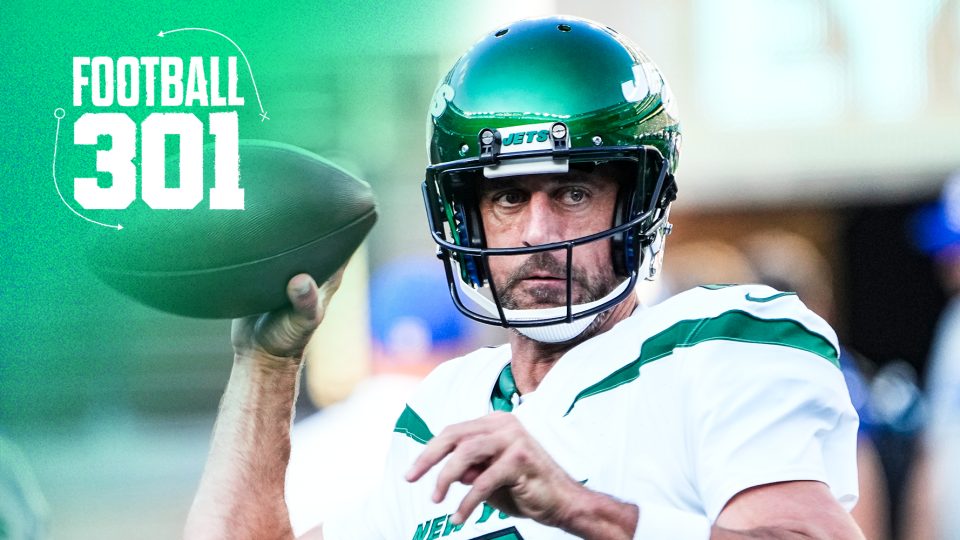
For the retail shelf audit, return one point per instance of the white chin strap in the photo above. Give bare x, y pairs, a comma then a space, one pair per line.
552, 333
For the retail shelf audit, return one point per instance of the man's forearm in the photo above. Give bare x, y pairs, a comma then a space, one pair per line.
597, 516
241, 492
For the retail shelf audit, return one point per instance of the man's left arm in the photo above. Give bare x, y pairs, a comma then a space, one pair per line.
509, 470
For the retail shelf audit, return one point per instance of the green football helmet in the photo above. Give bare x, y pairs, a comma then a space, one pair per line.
541, 96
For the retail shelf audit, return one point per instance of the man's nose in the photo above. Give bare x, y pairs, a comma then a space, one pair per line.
541, 225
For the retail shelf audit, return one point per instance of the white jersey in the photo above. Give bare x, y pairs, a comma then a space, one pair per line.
683, 404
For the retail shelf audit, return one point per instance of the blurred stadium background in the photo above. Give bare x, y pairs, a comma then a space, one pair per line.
830, 119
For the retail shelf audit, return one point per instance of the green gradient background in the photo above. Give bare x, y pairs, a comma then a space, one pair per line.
348, 80
112, 402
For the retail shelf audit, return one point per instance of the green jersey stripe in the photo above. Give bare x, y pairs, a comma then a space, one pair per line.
733, 325
769, 298
411, 425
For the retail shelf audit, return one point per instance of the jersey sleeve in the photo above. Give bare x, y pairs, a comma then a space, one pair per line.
770, 405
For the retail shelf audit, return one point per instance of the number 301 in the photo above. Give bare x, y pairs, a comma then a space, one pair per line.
226, 193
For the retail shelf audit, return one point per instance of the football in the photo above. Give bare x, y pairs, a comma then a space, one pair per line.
301, 214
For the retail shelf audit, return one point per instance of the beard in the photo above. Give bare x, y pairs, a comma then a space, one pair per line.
586, 287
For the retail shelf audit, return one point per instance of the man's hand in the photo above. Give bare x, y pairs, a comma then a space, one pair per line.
506, 467
285, 332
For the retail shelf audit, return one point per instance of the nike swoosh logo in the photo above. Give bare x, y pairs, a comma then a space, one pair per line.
769, 298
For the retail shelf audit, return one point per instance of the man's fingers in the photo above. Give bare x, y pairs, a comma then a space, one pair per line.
471, 475
469, 454
447, 440
438, 448
435, 451
304, 296
498, 474
285, 332
330, 286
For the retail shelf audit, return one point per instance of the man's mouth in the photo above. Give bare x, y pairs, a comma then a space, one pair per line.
543, 277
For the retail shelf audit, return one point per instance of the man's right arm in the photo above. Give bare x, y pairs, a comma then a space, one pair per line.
241, 493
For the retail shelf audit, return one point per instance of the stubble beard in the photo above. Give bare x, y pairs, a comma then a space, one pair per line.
585, 287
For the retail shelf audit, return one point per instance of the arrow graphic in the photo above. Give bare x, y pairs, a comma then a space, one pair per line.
263, 113
59, 113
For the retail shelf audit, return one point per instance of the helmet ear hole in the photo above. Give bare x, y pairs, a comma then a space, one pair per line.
476, 239
471, 267
622, 245
469, 227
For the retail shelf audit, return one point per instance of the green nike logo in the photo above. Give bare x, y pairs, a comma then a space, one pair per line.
769, 298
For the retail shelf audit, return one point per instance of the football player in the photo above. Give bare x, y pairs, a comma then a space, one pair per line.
720, 413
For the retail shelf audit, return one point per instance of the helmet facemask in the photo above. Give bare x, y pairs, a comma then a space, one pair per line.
452, 191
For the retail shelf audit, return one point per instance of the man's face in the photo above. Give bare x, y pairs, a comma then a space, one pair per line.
532, 210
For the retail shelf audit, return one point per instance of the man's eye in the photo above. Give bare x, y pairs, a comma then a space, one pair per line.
509, 198
574, 195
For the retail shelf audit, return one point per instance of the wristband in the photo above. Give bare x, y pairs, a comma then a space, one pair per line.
665, 523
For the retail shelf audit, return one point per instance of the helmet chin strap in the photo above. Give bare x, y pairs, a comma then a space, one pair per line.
552, 333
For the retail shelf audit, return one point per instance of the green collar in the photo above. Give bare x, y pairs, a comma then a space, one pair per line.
503, 391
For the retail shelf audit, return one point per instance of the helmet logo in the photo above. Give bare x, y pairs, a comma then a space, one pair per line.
443, 94
526, 137
646, 80
518, 137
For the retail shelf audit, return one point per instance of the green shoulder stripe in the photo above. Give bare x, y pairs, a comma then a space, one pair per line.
730, 326
769, 298
411, 425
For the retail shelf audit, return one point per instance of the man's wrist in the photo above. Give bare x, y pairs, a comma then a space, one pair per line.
596, 516
262, 361
266, 379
